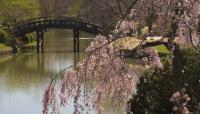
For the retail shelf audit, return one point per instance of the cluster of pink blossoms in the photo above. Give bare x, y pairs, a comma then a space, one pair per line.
154, 58
180, 101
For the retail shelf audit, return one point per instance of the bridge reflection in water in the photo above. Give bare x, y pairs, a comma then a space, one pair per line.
62, 40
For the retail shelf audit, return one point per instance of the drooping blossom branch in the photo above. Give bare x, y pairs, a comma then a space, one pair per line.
50, 99
100, 75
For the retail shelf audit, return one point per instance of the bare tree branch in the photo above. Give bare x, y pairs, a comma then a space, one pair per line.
120, 8
127, 12
57, 74
129, 8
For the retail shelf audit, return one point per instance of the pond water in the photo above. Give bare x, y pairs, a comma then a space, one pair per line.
23, 77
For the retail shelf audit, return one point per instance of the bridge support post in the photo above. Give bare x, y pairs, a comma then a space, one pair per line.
76, 40
40, 40
42, 44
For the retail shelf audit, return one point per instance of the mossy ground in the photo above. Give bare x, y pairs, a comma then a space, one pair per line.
34, 43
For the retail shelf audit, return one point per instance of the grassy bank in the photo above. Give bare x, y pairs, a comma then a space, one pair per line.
4, 47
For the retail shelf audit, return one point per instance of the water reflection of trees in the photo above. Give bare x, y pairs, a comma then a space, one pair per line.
27, 70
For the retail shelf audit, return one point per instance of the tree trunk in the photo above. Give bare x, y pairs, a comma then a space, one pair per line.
150, 20
178, 69
43, 8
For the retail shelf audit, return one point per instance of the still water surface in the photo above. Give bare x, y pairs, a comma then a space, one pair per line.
24, 76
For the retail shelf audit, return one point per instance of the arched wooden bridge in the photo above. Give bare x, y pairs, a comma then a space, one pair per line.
38, 25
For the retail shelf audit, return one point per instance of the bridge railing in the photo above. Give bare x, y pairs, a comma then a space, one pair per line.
53, 18
35, 24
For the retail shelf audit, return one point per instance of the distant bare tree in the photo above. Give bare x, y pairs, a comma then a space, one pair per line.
105, 12
55, 7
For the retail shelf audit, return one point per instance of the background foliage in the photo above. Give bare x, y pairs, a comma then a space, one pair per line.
16, 10
155, 88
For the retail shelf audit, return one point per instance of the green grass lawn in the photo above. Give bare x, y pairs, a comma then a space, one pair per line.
4, 47
162, 49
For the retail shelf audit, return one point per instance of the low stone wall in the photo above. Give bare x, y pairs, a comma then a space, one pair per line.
28, 48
